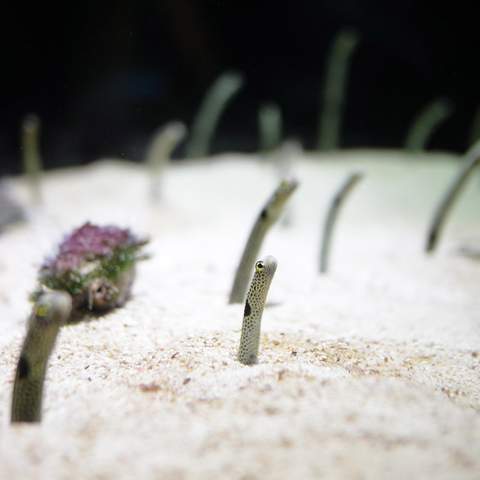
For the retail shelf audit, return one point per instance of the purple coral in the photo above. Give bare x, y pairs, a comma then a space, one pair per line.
87, 243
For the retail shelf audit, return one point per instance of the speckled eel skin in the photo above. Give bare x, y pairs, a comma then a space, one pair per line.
51, 311
254, 305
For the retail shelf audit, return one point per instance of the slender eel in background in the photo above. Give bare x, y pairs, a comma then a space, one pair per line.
284, 160
50, 312
337, 69
32, 162
267, 217
426, 123
254, 305
270, 127
472, 161
338, 199
164, 142
214, 103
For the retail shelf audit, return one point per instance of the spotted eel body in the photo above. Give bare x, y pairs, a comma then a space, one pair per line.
50, 312
267, 217
254, 305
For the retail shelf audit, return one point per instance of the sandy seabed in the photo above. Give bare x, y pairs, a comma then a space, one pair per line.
371, 371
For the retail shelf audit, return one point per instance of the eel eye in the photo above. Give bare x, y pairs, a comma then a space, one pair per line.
41, 310
259, 266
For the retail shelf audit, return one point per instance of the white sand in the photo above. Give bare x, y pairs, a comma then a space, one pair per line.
372, 371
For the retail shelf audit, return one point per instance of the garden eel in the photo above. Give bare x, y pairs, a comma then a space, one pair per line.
32, 162
49, 313
345, 188
252, 316
213, 105
267, 217
337, 68
426, 122
469, 164
160, 151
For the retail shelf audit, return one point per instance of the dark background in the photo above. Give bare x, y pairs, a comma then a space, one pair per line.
103, 76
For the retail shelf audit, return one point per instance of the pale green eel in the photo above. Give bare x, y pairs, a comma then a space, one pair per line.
267, 217
254, 305
50, 312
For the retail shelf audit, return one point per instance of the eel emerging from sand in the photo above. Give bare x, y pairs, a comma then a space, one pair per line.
254, 305
50, 312
267, 217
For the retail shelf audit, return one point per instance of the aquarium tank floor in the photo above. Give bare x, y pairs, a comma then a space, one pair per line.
371, 371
